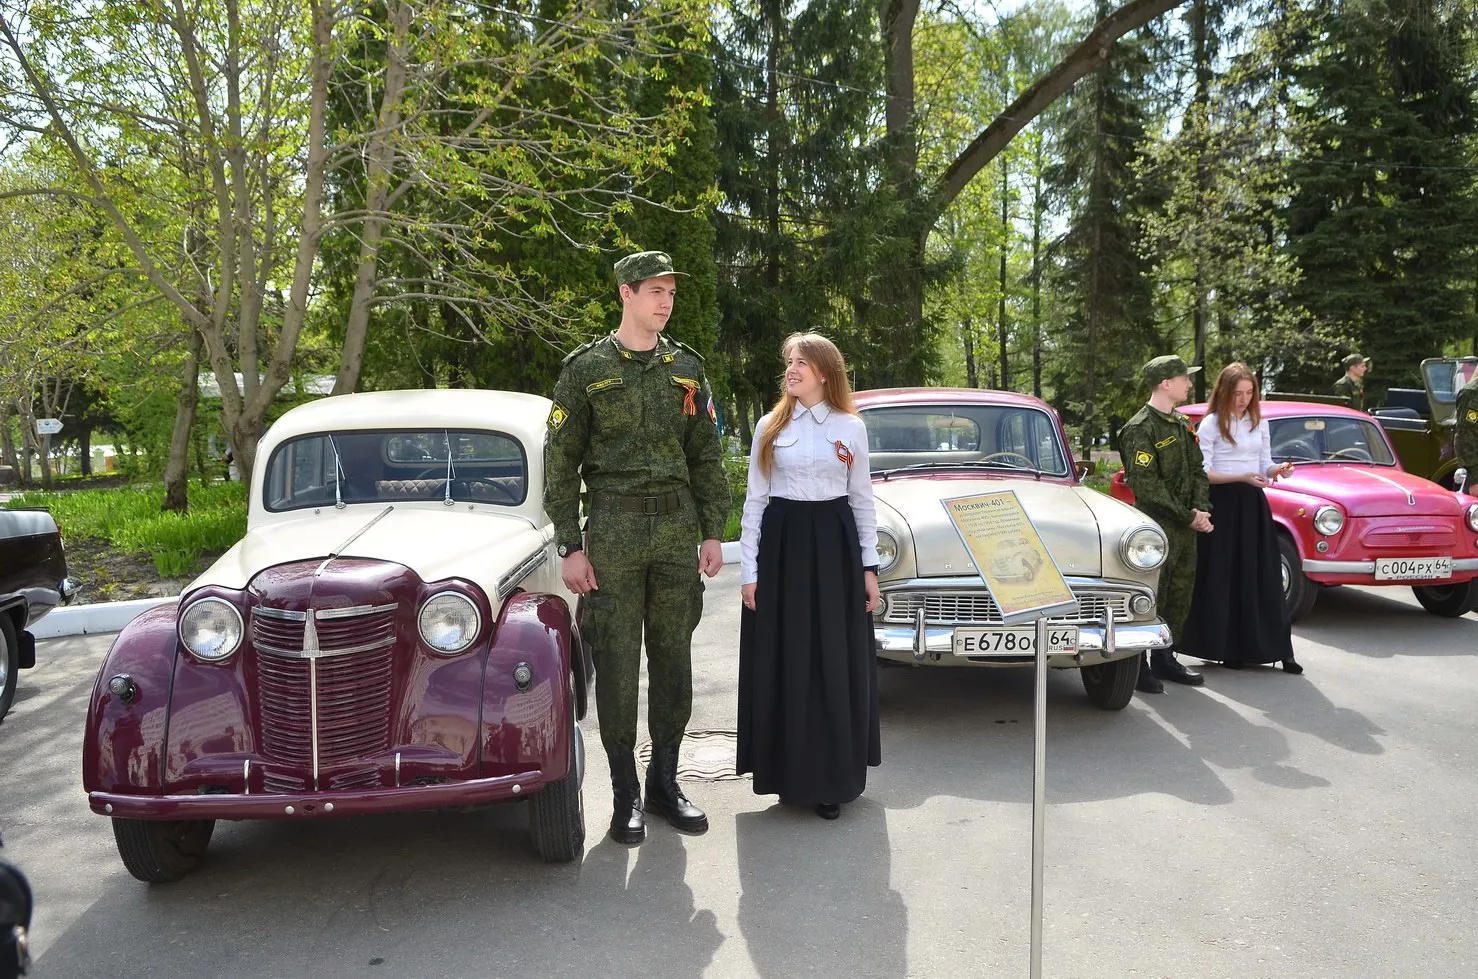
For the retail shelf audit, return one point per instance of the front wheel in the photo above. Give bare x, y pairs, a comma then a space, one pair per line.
10, 663
557, 812
1111, 685
1448, 601
1299, 593
157, 850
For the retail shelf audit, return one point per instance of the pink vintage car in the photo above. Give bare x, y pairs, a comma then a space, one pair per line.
391, 634
1350, 515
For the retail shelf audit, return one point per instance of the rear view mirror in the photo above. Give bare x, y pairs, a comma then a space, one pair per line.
15, 920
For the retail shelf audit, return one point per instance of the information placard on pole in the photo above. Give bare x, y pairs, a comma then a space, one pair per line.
1026, 584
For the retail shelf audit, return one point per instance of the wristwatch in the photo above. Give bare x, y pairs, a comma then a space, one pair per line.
565, 550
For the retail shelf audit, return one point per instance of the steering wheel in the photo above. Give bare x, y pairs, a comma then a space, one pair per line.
1018, 455
1354, 452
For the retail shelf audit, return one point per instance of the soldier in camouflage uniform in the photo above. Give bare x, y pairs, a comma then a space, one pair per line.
1351, 386
633, 417
1465, 435
1164, 467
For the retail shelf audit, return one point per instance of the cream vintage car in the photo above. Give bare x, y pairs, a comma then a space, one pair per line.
391, 634
932, 444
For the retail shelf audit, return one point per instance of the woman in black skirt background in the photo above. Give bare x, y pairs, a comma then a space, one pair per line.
1237, 612
808, 690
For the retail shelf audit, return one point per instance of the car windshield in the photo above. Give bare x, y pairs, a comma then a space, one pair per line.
1330, 438
964, 435
1447, 377
394, 466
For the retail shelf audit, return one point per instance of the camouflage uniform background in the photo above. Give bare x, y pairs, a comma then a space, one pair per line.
1164, 467
638, 424
1352, 389
1465, 435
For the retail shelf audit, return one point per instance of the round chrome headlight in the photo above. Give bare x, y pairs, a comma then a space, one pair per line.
1143, 548
449, 622
211, 629
1473, 516
887, 550
1329, 520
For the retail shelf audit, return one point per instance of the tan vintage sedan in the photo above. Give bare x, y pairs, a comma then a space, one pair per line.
932, 444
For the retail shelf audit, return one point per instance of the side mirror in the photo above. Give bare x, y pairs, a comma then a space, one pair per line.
1460, 479
1086, 468
15, 919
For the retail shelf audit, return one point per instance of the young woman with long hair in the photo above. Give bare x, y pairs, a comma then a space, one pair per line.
1237, 612
808, 693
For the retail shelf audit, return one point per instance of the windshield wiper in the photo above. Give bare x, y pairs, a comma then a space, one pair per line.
971, 464
451, 471
338, 472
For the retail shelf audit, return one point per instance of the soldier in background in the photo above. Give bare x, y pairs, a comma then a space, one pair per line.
1465, 435
1351, 386
1164, 467
634, 417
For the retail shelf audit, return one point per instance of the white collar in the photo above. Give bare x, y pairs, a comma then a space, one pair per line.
819, 413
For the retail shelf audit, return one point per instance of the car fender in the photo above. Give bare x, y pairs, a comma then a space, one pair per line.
530, 728
123, 747
1294, 515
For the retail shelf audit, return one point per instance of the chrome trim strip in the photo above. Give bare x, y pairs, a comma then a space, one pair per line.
323, 653
352, 611
973, 583
511, 580
287, 615
1368, 567
397, 769
352, 538
313, 713
246, 777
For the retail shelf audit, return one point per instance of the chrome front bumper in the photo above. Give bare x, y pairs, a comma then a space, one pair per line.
1314, 566
1097, 643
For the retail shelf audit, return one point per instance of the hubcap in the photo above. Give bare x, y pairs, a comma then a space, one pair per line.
1287, 576
4, 662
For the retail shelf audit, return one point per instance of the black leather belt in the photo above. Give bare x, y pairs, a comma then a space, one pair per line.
649, 505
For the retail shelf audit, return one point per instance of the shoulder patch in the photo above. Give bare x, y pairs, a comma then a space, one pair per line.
1143, 458
1471, 417
1166, 441
558, 415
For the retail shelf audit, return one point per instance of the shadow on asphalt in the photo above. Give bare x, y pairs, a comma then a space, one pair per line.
1368, 623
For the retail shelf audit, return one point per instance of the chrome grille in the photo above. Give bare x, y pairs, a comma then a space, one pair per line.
1439, 540
346, 630
353, 707
946, 607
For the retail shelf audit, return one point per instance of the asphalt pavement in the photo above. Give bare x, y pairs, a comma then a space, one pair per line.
1261, 826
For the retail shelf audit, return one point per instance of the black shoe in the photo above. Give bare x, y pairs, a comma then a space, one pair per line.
664, 797
1233, 664
1147, 682
1164, 665
1290, 665
628, 825
828, 810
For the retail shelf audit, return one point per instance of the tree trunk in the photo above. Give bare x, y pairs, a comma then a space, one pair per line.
1037, 209
1005, 245
972, 370
84, 450
176, 468
1200, 103
7, 443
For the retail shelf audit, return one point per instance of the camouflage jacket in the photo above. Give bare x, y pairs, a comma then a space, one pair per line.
1352, 390
1164, 467
635, 425
1465, 435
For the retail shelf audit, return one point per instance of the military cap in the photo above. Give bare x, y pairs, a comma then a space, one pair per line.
1164, 368
644, 265
1352, 360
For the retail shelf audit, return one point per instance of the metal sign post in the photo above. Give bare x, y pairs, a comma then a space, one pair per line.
1039, 795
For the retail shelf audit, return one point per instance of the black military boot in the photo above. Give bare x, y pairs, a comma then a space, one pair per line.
666, 799
628, 825
1147, 682
1164, 665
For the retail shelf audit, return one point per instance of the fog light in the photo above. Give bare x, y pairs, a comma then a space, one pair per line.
882, 606
1322, 547
523, 675
1142, 604
123, 687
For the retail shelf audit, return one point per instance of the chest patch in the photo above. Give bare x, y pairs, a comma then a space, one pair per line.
1143, 458
1166, 441
605, 385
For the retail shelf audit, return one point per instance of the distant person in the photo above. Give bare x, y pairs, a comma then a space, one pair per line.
1164, 469
1465, 435
808, 683
1237, 612
1351, 386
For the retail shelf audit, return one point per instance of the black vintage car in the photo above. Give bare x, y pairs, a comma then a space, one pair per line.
1420, 421
33, 581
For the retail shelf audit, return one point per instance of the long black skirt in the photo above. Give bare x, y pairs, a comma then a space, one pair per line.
1237, 610
808, 682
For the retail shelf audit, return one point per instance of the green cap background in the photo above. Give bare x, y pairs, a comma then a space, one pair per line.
1164, 368
1352, 360
644, 265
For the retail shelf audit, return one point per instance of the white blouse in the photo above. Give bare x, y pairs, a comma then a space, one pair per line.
1252, 452
808, 465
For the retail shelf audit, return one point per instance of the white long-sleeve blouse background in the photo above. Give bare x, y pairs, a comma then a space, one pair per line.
1251, 453
807, 466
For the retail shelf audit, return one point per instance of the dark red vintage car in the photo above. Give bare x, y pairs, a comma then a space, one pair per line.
33, 581
1350, 515
392, 634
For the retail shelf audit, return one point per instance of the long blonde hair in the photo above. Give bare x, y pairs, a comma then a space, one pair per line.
822, 355
1221, 397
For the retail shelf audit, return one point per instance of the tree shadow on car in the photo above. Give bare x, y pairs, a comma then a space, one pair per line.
1372, 623
969, 732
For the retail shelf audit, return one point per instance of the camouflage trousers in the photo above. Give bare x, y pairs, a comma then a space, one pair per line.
647, 570
1177, 579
